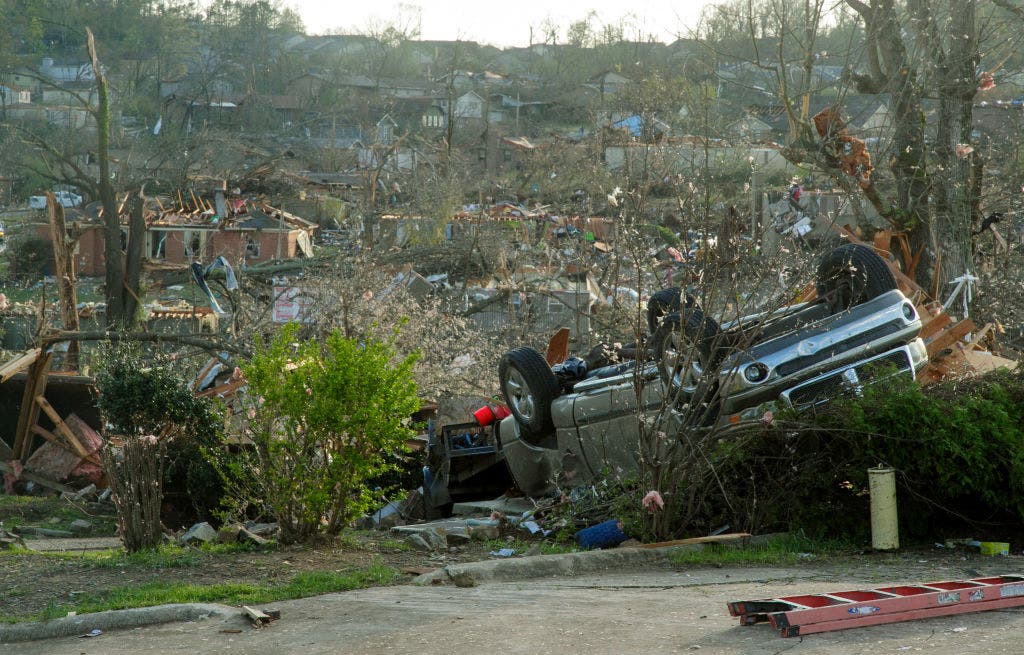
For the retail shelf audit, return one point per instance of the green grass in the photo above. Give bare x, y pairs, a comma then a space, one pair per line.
370, 540
160, 593
780, 550
16, 511
164, 557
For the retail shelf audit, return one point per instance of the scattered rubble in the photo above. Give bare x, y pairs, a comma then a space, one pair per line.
198, 533
238, 533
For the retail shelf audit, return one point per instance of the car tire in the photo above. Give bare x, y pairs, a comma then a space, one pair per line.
664, 302
691, 335
528, 386
852, 274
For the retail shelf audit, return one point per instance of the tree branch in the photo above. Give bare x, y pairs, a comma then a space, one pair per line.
211, 344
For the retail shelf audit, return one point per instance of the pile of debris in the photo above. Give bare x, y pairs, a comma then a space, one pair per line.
956, 345
57, 447
69, 456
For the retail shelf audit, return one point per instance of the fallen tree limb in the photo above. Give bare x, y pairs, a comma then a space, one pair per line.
184, 275
209, 344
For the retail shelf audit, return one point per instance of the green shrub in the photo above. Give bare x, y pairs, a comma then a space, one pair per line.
958, 449
324, 419
143, 394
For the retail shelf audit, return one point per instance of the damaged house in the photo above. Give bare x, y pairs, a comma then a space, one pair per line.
240, 229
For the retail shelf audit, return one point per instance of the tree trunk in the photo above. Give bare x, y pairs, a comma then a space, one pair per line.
114, 274
961, 169
133, 262
136, 480
892, 72
64, 270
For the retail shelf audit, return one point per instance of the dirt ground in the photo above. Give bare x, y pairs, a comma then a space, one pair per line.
29, 582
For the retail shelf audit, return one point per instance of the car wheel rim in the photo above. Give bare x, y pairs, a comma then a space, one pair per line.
520, 396
681, 357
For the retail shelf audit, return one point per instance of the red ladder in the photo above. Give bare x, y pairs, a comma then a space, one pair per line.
809, 613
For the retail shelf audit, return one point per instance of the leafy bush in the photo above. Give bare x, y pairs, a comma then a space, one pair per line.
958, 449
144, 395
324, 418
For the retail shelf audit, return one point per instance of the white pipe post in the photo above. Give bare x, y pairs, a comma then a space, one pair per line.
885, 531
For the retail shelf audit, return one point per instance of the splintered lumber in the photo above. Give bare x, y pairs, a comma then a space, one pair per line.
257, 617
18, 364
983, 362
61, 427
977, 339
950, 336
934, 324
883, 242
222, 390
35, 385
710, 539
64, 269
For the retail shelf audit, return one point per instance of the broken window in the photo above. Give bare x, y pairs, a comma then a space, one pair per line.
252, 247
157, 244
195, 243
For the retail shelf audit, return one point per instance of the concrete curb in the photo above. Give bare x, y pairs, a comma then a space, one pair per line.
543, 566
111, 620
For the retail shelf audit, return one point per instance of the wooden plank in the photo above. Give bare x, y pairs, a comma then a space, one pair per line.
38, 479
18, 364
882, 242
257, 617
983, 362
63, 429
222, 390
1000, 241
807, 294
710, 539
934, 324
60, 443
950, 336
35, 384
977, 339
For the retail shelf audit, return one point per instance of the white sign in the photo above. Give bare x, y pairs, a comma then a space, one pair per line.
291, 304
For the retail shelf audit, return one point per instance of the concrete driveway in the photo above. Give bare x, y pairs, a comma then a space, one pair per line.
654, 611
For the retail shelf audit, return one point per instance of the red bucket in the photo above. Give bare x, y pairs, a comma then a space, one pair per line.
484, 416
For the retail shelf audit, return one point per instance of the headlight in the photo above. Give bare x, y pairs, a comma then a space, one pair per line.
909, 312
756, 372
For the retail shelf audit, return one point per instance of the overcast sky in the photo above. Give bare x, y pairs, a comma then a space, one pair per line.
502, 23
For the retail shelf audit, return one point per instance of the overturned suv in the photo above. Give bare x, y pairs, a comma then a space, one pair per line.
699, 375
